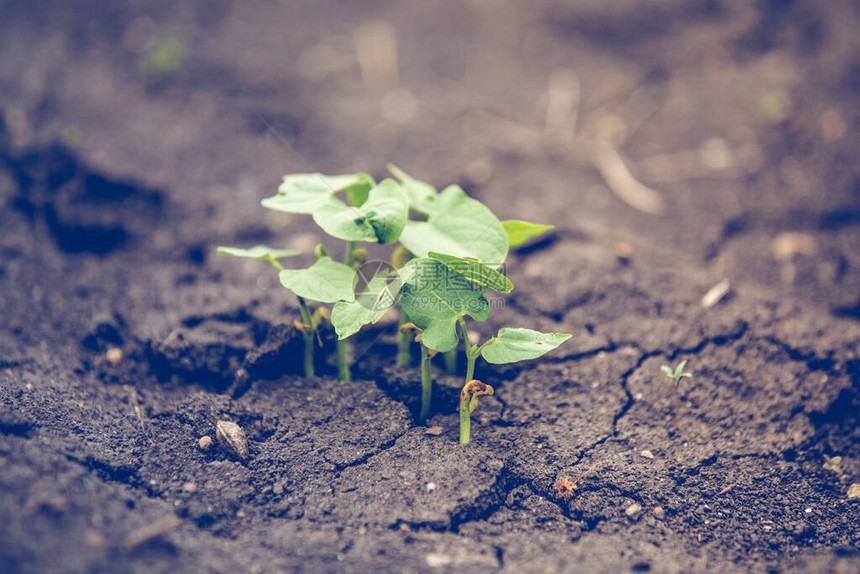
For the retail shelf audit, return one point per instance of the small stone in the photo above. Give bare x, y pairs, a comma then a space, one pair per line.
633, 511
433, 431
854, 490
436, 560
94, 539
431, 486
114, 356
646, 454
659, 513
189, 487
624, 253
205, 442
232, 439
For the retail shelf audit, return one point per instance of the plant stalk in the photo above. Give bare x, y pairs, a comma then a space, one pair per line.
426, 385
472, 352
404, 356
342, 345
451, 361
677, 407
465, 411
309, 338
465, 422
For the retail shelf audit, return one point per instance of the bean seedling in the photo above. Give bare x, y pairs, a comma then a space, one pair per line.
676, 376
833, 463
438, 292
448, 257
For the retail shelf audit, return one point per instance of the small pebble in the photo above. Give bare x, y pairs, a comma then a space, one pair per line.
232, 439
854, 490
659, 513
114, 356
434, 431
189, 487
205, 442
624, 253
633, 511
646, 454
431, 486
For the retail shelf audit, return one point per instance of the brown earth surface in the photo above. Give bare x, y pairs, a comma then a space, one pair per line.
702, 141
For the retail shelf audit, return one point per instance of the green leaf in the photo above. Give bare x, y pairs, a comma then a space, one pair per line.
307, 192
519, 232
325, 281
259, 252
475, 271
513, 345
434, 297
667, 370
369, 307
357, 193
422, 196
458, 225
381, 218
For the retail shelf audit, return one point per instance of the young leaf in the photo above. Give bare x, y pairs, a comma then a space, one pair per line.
381, 218
512, 345
475, 271
325, 281
519, 232
307, 192
434, 297
259, 252
680, 369
422, 196
667, 371
458, 225
369, 307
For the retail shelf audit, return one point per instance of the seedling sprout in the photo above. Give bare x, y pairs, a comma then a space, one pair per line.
833, 463
448, 257
676, 376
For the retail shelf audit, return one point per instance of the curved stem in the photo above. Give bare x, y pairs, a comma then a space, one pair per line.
426, 385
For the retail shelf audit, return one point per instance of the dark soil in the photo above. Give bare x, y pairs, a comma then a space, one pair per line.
116, 184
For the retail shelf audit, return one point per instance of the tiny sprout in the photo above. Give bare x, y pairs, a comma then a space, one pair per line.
676, 377
564, 485
833, 463
468, 403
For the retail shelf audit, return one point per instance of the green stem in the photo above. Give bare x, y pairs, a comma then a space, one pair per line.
342, 345
404, 356
471, 357
309, 338
472, 352
451, 361
306, 319
426, 385
465, 422
350, 247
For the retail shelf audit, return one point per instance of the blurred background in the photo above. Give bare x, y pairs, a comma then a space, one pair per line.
720, 135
